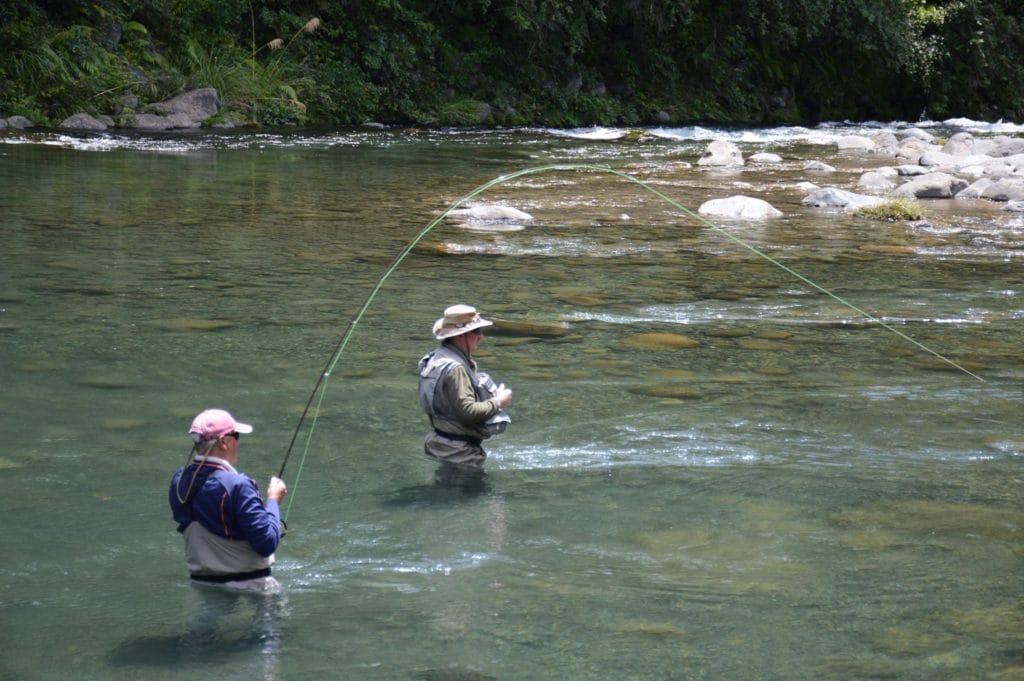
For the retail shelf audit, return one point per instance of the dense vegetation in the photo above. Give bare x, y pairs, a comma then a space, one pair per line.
556, 62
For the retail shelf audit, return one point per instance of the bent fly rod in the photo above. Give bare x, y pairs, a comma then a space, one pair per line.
320, 388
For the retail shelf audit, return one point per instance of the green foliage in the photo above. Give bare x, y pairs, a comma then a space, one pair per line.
555, 62
460, 112
257, 84
893, 210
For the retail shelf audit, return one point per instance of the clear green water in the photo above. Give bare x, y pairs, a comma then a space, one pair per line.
803, 495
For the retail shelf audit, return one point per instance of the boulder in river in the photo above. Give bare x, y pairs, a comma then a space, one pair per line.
743, 207
765, 157
931, 186
83, 121
490, 214
1006, 189
855, 143
818, 167
721, 153
661, 341
832, 197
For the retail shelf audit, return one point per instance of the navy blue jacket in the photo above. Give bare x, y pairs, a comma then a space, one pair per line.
226, 503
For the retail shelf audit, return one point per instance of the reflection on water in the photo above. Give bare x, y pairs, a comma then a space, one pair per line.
238, 630
714, 470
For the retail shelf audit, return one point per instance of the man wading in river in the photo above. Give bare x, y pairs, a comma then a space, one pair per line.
230, 534
463, 405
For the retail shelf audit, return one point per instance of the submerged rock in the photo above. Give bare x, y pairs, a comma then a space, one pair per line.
510, 327
104, 382
931, 518
191, 324
673, 392
490, 214
124, 423
887, 249
661, 341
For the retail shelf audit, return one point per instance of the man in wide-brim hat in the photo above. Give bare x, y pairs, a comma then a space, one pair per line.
463, 405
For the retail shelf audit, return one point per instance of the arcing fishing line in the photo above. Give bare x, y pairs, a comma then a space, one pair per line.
320, 388
796, 274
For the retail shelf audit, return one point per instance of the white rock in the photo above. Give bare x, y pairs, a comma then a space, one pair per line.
721, 153
490, 213
833, 197
744, 207
818, 167
855, 143
765, 157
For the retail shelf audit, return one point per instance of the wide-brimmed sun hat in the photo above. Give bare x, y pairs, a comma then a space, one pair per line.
214, 423
457, 320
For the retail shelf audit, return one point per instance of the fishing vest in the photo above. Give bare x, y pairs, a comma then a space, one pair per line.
434, 367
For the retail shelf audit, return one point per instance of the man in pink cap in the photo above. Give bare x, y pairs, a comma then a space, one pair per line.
463, 405
230, 533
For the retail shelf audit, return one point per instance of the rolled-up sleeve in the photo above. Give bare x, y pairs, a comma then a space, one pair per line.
468, 410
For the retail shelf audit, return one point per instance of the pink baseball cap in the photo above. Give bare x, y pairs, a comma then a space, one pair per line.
214, 423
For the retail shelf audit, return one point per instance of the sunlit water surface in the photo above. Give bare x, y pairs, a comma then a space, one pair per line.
792, 491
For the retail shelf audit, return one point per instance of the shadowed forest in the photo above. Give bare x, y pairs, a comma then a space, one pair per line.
518, 62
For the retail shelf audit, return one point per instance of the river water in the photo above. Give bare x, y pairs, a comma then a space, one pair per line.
775, 486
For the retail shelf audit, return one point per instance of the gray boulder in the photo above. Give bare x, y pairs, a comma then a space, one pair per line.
911, 150
936, 158
985, 146
82, 121
832, 197
1006, 189
765, 157
1016, 162
988, 167
150, 122
19, 123
818, 167
875, 180
916, 133
960, 144
187, 110
974, 190
196, 105
911, 169
1010, 147
931, 186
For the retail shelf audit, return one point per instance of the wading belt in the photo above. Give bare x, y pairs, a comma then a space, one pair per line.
461, 438
236, 577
